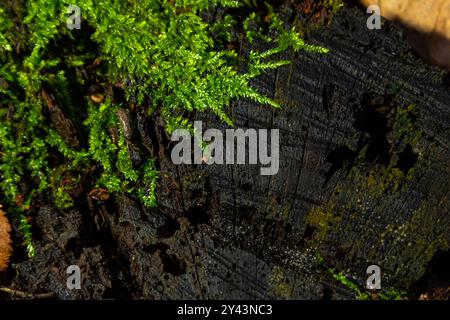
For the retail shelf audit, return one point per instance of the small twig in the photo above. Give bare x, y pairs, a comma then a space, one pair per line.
26, 295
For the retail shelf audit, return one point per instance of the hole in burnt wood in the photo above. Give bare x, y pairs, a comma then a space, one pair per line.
327, 294
407, 159
247, 213
339, 157
436, 280
196, 193
372, 119
246, 186
355, 3
119, 95
439, 266
309, 232
172, 265
152, 248
446, 80
197, 215
168, 229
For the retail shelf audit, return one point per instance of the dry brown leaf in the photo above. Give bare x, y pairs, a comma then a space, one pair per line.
427, 23
5, 241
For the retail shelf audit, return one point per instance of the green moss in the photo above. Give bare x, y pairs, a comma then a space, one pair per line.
383, 294
405, 128
61, 183
324, 218
360, 293
392, 294
341, 278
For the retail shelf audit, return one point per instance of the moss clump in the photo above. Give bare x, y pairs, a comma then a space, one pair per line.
381, 179
167, 56
62, 183
383, 294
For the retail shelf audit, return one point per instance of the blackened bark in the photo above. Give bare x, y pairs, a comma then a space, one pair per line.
363, 180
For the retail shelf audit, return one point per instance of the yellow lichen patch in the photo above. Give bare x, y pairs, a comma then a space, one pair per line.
381, 180
323, 218
280, 284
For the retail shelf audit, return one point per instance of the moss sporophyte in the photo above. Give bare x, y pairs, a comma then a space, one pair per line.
170, 59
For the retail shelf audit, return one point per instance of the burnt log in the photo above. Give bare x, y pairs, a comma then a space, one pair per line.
363, 180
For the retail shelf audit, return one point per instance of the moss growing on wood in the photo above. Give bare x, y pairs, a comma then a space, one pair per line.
324, 218
361, 293
404, 126
364, 223
167, 57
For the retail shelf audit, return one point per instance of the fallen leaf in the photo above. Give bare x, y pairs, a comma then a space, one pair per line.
5, 241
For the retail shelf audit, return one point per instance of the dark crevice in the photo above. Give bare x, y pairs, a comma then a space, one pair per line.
172, 265
372, 119
436, 280
407, 159
439, 266
197, 215
168, 229
327, 294
339, 157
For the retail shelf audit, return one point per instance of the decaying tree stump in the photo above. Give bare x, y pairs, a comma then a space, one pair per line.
364, 179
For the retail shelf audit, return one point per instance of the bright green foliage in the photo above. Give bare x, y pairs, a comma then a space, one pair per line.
170, 59
147, 193
340, 277
25, 228
384, 294
167, 53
